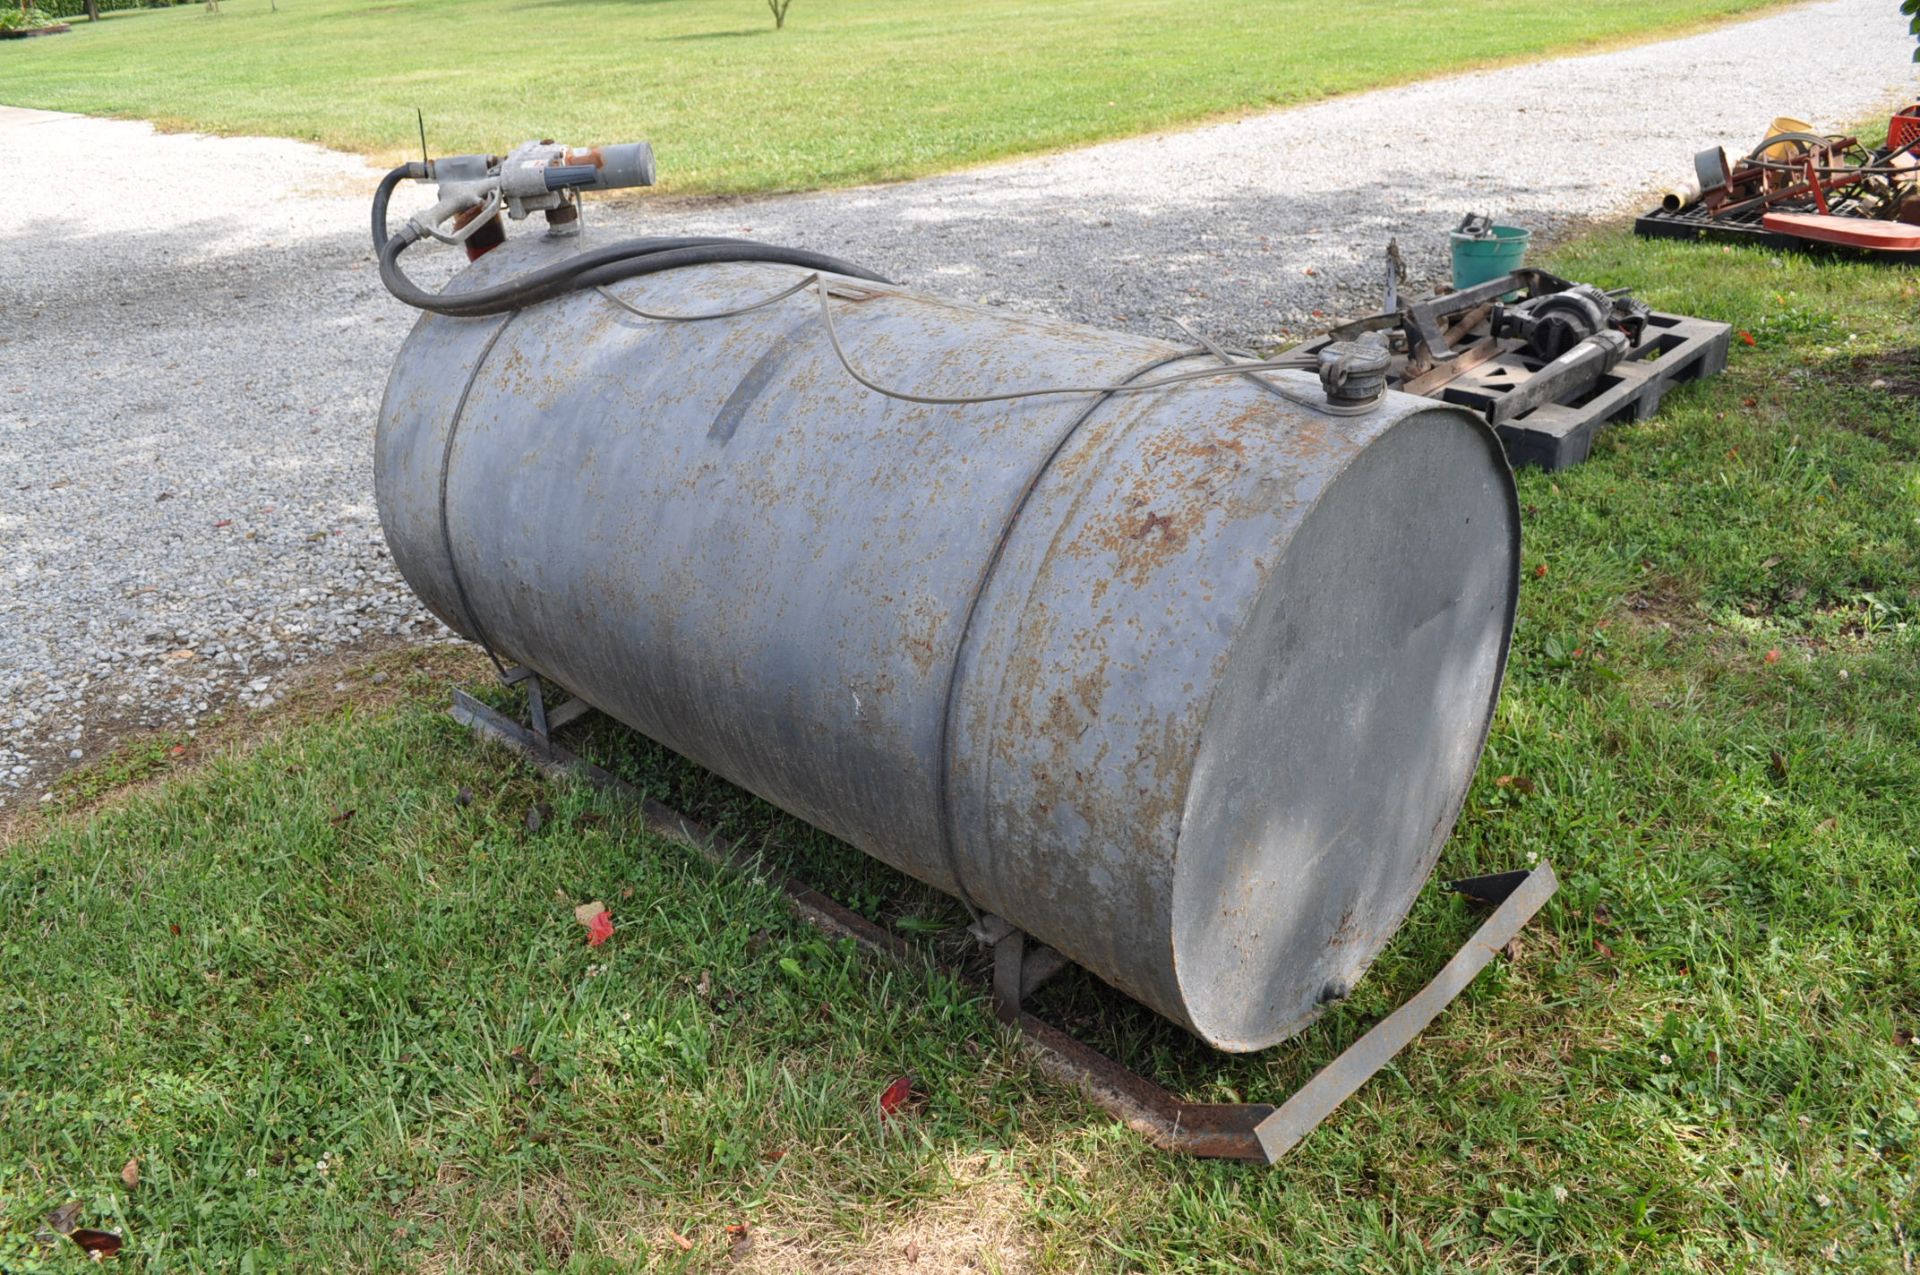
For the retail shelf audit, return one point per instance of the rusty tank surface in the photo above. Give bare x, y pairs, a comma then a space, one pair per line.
1188, 684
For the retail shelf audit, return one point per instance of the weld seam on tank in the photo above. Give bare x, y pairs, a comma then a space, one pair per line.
999, 697
1061, 531
779, 352
480, 634
973, 605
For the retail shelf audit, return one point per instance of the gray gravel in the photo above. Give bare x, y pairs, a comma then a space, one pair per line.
1249, 227
190, 362
194, 340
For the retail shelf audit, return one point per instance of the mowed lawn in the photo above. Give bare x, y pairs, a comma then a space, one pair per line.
326, 989
850, 91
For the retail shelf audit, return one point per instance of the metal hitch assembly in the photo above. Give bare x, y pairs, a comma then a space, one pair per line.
1164, 661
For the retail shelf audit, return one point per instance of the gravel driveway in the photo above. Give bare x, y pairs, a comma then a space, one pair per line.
193, 340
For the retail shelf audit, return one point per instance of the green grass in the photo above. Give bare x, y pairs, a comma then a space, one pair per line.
1700, 1061
850, 91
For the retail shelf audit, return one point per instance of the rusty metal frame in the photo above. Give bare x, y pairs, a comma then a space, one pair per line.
1257, 1132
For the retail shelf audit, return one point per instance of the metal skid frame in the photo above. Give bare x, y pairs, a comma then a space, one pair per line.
1252, 1131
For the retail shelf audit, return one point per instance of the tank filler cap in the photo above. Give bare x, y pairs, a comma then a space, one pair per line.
1354, 375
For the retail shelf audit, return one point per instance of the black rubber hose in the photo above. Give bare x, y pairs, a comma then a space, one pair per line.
533, 286
383, 194
528, 289
595, 268
719, 251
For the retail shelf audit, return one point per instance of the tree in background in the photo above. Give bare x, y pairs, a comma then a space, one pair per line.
1912, 9
780, 8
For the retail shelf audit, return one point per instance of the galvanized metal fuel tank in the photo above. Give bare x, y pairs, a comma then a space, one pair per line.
1188, 684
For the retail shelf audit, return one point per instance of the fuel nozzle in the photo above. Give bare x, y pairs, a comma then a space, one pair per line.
547, 176
541, 176
533, 170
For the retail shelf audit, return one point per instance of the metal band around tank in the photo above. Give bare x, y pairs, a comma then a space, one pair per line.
1007, 525
446, 468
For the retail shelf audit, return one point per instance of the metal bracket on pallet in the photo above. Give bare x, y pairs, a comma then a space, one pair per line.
1466, 348
1252, 1131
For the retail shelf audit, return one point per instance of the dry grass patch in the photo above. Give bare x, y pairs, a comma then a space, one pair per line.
976, 1228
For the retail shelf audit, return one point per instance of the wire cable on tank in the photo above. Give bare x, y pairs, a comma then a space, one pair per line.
1231, 366
597, 268
474, 184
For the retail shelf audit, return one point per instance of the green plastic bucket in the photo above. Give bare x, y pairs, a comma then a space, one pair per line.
1478, 258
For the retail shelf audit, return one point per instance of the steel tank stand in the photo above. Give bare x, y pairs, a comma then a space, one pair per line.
1251, 1131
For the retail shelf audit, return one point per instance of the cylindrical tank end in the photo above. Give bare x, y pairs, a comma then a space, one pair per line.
1345, 730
